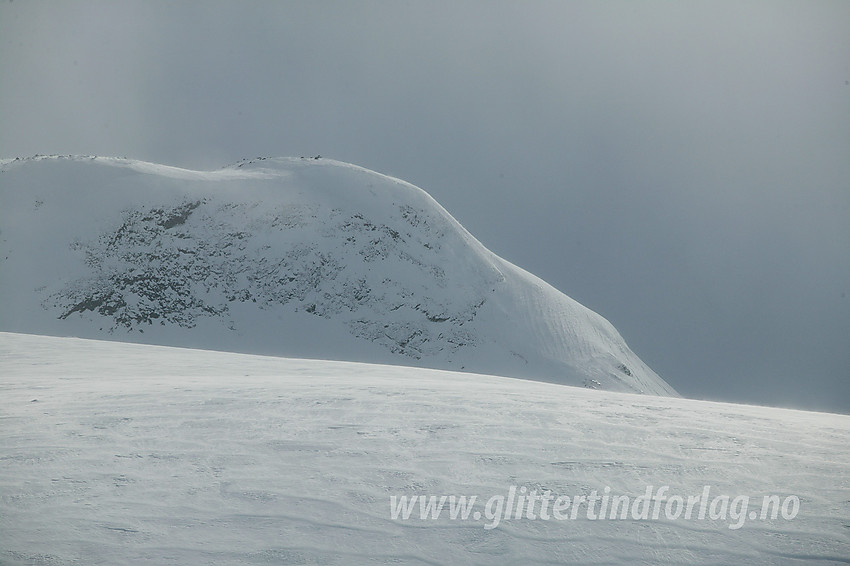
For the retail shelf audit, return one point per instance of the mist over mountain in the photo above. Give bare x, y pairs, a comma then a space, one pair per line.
301, 257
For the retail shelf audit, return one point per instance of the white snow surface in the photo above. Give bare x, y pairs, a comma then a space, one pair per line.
117, 453
308, 258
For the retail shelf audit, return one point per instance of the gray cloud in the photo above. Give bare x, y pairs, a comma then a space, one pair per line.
679, 167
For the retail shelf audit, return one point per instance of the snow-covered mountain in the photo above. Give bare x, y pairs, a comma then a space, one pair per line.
136, 454
295, 257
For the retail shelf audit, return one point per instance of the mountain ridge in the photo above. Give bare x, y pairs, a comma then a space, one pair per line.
291, 256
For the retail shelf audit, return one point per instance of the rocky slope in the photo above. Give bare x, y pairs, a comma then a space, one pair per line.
297, 257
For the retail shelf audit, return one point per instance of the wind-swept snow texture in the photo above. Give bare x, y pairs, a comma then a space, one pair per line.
131, 454
296, 257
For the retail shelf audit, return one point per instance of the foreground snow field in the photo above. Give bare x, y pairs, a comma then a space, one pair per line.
116, 453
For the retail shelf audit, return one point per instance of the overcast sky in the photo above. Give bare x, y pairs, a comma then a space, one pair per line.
682, 168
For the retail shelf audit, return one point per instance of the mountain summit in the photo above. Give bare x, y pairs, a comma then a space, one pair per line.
293, 257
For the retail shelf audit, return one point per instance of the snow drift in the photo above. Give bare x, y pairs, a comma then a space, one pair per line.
136, 454
294, 257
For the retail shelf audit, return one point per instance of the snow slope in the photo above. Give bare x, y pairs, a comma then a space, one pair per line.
117, 453
296, 257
